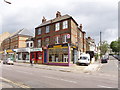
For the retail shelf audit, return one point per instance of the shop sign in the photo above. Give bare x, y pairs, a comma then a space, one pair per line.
68, 36
22, 50
35, 49
58, 46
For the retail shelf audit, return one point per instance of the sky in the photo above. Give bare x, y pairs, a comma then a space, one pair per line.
94, 15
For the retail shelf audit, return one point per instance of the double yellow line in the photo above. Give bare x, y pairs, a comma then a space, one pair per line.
17, 84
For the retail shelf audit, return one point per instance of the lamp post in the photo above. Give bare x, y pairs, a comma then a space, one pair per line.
100, 43
7, 2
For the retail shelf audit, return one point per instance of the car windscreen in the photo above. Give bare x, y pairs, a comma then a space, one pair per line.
83, 58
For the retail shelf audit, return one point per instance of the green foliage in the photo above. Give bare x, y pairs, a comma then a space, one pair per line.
104, 47
115, 46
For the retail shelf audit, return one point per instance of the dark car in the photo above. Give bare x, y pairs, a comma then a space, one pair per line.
104, 59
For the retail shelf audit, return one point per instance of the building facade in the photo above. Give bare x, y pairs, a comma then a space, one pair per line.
61, 39
15, 41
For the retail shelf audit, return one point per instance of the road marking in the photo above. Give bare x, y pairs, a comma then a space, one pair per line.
104, 86
17, 84
60, 79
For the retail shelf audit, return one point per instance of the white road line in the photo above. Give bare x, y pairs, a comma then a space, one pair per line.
60, 79
104, 86
17, 84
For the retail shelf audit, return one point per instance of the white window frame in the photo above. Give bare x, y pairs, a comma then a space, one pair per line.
39, 42
47, 29
65, 38
65, 24
48, 40
39, 31
57, 26
57, 40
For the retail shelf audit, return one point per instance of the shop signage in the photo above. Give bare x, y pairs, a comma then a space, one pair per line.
22, 50
35, 49
58, 46
68, 36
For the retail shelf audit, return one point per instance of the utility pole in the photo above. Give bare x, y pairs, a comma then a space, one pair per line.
100, 43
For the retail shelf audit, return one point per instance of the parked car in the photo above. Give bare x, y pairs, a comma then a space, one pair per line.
104, 59
8, 61
84, 59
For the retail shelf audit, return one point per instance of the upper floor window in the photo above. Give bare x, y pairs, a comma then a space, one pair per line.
57, 39
65, 24
80, 34
31, 44
47, 29
57, 26
64, 38
27, 44
39, 31
47, 41
39, 43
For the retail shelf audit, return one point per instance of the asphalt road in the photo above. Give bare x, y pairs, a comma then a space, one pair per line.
30, 77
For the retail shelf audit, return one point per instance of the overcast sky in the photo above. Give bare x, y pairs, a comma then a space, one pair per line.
95, 15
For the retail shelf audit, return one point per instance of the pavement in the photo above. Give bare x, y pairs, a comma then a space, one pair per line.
74, 68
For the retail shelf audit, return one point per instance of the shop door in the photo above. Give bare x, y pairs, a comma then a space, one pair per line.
45, 56
39, 57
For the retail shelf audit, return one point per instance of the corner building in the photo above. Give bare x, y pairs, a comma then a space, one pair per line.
61, 40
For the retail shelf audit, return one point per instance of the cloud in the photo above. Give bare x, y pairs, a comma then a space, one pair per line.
95, 15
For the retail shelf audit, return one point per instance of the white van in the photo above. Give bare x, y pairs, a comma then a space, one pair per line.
84, 59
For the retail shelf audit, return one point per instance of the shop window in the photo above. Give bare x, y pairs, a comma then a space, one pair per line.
57, 26
56, 58
53, 58
65, 58
65, 24
39, 56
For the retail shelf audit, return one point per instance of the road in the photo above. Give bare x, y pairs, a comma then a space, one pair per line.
30, 77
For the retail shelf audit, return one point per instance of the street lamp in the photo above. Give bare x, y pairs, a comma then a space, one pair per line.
7, 2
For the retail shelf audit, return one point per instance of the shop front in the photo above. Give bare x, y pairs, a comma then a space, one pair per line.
22, 54
10, 54
36, 54
59, 55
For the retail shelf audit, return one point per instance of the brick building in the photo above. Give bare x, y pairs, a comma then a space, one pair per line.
61, 39
16, 40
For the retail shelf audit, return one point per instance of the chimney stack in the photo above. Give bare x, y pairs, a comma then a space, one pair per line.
81, 26
58, 14
43, 20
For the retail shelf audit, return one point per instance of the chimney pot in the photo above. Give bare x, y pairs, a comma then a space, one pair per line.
81, 26
43, 20
58, 14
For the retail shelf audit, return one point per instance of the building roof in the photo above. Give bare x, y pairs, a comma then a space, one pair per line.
56, 20
23, 32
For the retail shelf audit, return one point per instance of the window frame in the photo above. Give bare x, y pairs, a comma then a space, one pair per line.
47, 29
65, 24
39, 31
57, 26
40, 43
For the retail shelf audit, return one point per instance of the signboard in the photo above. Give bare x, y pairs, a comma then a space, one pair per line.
58, 46
22, 50
35, 49
68, 36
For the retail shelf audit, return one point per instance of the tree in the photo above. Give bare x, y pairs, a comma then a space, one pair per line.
115, 46
104, 47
